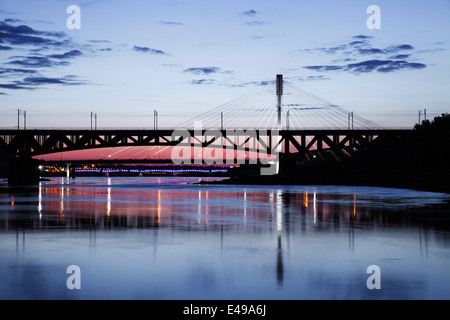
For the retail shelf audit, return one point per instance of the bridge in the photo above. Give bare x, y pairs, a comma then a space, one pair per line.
31, 143
262, 126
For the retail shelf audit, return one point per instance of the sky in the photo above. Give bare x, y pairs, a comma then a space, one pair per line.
182, 58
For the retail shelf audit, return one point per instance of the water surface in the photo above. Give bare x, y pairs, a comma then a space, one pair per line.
168, 238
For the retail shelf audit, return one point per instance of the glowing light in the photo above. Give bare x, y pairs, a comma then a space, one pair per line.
108, 204
40, 200
279, 213
159, 206
245, 208
61, 211
315, 208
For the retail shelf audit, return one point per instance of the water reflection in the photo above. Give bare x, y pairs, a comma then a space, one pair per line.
78, 206
297, 235
279, 206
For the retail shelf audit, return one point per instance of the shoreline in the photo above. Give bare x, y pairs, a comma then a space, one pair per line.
281, 180
434, 185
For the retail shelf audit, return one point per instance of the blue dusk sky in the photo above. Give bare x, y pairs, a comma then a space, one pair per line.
186, 57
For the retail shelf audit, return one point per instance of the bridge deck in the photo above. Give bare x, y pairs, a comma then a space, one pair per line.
28, 143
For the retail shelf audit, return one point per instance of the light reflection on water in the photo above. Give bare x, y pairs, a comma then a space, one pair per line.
166, 238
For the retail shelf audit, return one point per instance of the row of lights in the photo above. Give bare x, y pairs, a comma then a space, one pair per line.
154, 170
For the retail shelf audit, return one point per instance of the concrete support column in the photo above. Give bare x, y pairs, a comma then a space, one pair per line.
23, 171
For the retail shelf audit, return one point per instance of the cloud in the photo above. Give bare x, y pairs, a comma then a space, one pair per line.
324, 68
383, 66
368, 66
360, 45
249, 13
403, 47
401, 56
252, 83
12, 20
25, 35
264, 83
37, 62
255, 23
329, 50
67, 80
14, 86
32, 83
362, 37
388, 50
68, 55
203, 70
44, 50
372, 59
170, 23
42, 80
14, 71
370, 51
149, 50
99, 41
357, 43
202, 81
321, 77
256, 37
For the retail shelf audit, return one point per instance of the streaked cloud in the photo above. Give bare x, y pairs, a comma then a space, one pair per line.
37, 62
149, 50
14, 71
256, 23
203, 81
35, 52
36, 82
382, 66
367, 66
25, 35
170, 23
202, 70
366, 58
249, 13
67, 55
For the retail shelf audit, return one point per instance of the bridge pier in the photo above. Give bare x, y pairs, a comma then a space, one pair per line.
70, 170
23, 172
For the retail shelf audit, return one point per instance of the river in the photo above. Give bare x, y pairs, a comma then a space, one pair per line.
168, 238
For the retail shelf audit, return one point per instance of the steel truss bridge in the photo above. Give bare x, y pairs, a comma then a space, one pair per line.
31, 143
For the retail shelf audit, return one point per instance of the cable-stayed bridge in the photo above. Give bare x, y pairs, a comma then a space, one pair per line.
274, 121
299, 110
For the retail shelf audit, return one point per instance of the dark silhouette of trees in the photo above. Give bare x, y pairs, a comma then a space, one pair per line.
436, 130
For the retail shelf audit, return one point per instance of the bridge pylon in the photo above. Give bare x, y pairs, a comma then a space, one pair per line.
279, 92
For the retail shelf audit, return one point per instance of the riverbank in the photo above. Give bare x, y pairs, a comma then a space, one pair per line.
415, 166
419, 185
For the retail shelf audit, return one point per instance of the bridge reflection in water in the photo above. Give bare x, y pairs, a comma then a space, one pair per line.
291, 235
